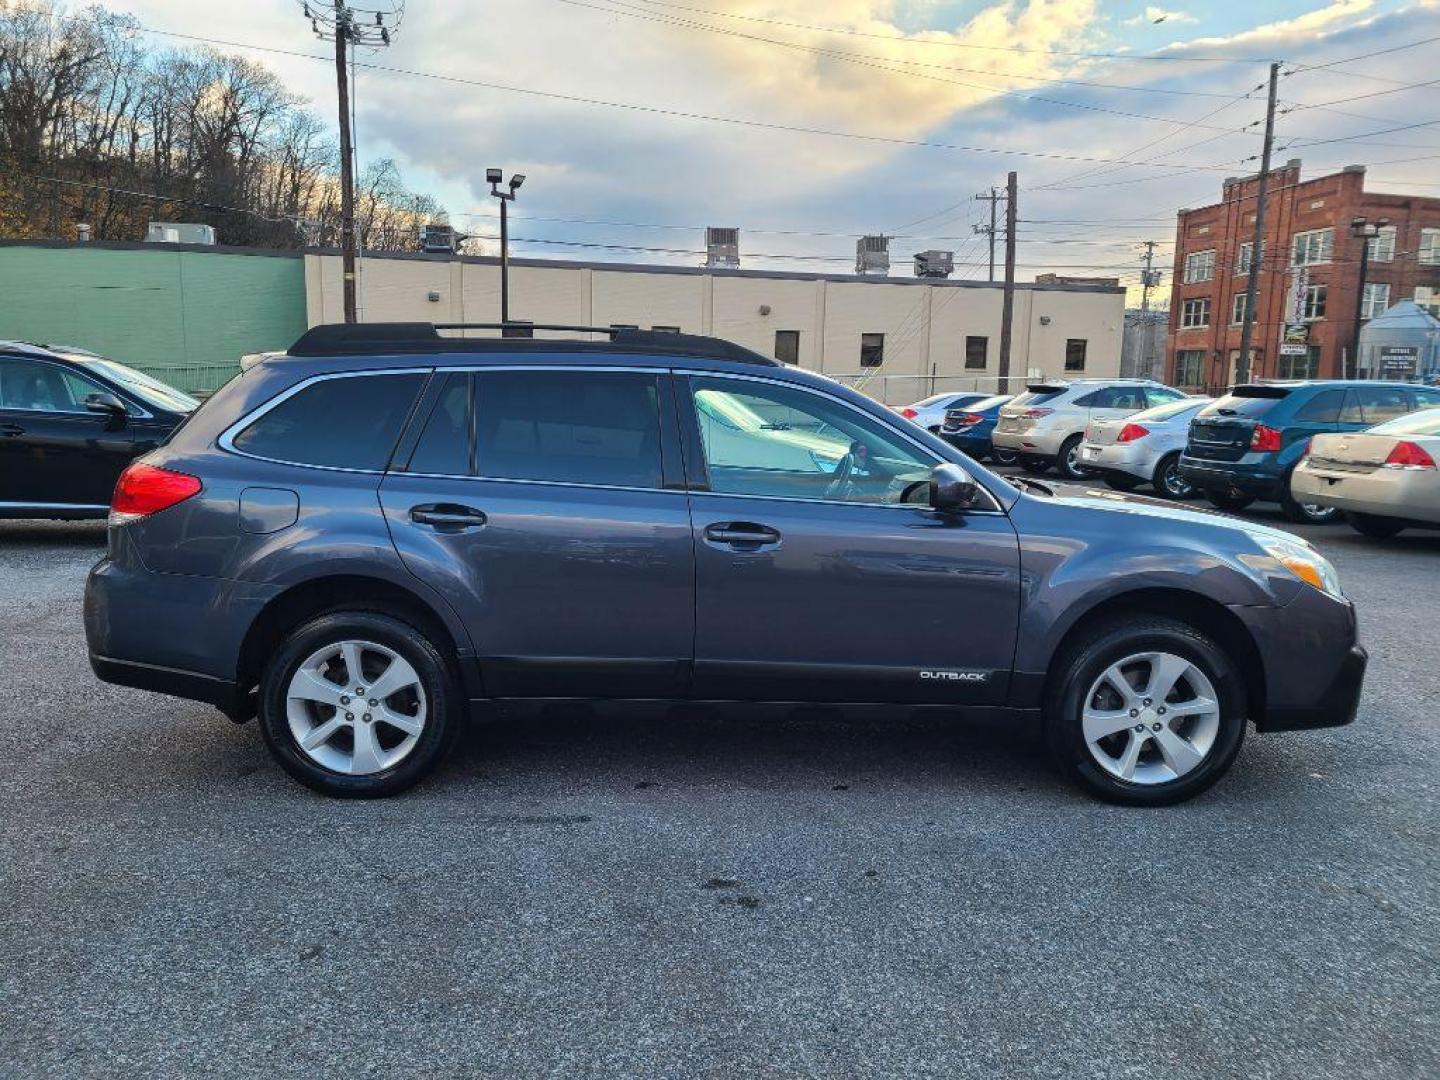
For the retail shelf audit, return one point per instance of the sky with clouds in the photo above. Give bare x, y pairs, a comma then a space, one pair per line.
808, 122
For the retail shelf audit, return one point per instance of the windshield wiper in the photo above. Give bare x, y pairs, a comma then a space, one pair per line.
1024, 483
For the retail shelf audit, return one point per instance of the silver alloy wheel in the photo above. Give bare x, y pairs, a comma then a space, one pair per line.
1176, 486
1151, 718
356, 707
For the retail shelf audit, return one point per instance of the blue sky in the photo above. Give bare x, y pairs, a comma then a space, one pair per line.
922, 104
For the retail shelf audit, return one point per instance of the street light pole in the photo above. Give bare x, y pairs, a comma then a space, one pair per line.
1365, 231
494, 177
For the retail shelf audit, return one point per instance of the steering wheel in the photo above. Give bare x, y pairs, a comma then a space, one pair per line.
911, 488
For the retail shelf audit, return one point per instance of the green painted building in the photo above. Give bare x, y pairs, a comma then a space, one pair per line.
182, 313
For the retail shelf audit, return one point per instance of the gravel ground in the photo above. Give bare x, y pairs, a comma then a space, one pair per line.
683, 894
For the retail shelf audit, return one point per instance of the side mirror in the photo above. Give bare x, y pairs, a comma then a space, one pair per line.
109, 406
952, 489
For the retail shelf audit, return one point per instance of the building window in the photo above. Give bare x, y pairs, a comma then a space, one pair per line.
787, 346
1190, 367
1430, 246
1375, 300
1075, 354
1313, 247
872, 350
1428, 297
1195, 314
976, 349
1199, 266
1237, 309
1314, 305
624, 326
1382, 245
1242, 260
521, 328
1301, 367
666, 329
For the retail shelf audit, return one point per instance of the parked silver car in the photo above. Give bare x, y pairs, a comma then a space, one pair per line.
1143, 448
1384, 479
930, 412
1046, 424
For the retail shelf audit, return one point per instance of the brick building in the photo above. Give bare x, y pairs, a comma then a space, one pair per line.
1309, 275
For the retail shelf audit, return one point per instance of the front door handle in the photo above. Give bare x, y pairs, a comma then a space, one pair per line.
448, 517
743, 535
9, 431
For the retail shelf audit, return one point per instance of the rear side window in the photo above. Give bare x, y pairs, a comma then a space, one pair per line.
1036, 397
578, 427
1244, 404
444, 444
1382, 403
1323, 408
348, 422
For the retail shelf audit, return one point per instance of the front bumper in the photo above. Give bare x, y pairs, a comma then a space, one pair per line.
1259, 481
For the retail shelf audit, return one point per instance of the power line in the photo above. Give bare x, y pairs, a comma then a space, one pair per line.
1366, 56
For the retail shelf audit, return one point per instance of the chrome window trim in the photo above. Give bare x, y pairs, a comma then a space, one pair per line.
547, 483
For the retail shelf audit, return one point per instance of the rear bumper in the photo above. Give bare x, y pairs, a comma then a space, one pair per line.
192, 685
1395, 493
1040, 443
977, 446
1126, 458
1259, 481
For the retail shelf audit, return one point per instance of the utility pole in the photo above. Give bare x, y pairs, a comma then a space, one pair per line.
1257, 247
1148, 279
1007, 307
337, 22
992, 198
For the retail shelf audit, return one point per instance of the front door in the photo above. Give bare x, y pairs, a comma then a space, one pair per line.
52, 451
548, 506
820, 572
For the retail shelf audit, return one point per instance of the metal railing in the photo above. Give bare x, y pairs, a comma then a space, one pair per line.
195, 379
904, 389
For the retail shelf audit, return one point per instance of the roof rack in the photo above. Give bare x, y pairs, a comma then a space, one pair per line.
338, 339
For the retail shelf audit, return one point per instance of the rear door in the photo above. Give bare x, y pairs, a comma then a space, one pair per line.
820, 572
548, 504
53, 452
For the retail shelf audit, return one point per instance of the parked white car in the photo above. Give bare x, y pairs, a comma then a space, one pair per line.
1143, 448
930, 413
1046, 424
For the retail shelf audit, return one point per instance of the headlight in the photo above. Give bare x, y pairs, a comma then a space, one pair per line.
1305, 563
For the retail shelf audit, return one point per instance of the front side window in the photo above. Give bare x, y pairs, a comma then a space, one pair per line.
1313, 247
1195, 314
782, 442
1199, 266
872, 350
33, 386
580, 427
349, 422
1075, 354
975, 350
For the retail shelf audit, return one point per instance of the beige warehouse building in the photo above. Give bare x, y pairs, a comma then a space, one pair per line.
900, 339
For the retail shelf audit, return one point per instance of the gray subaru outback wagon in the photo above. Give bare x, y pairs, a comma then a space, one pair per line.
363, 539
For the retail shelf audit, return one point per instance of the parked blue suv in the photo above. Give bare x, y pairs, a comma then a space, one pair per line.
1245, 445
365, 539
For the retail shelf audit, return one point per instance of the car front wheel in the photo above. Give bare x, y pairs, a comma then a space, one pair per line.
1145, 711
1067, 462
357, 704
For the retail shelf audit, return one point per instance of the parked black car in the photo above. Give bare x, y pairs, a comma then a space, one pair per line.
363, 538
70, 421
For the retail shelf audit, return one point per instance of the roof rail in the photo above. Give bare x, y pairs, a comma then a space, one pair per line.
336, 339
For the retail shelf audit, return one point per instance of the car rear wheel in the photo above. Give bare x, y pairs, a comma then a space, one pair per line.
1305, 513
1148, 711
1067, 461
1121, 481
357, 704
1228, 501
1380, 528
1167, 480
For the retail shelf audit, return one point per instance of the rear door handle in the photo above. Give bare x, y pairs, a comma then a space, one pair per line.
9, 431
744, 535
449, 517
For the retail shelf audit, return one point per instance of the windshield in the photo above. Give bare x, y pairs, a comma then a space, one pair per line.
1424, 422
1170, 410
147, 388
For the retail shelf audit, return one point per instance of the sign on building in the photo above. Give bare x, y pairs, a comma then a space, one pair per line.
1399, 361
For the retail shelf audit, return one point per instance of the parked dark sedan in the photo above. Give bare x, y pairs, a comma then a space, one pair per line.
70, 421
969, 429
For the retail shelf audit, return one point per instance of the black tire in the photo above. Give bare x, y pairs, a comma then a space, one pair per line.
437, 678
1035, 466
1168, 482
1082, 664
1231, 503
1297, 512
1067, 461
1120, 481
1376, 527
1003, 457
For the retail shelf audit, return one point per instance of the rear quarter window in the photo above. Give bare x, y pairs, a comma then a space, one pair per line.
347, 422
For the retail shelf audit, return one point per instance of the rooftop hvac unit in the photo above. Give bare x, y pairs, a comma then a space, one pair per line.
722, 249
872, 255
934, 264
179, 232
440, 239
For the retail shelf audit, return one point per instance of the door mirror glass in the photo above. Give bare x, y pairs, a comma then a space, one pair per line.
952, 489
105, 404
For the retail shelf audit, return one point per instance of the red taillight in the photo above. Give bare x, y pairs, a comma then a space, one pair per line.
1036, 414
1265, 438
908, 413
1131, 432
145, 489
1407, 455
966, 419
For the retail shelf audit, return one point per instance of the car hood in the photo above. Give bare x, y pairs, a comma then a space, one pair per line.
1114, 502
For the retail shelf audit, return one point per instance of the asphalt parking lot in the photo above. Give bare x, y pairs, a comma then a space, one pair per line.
684, 894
